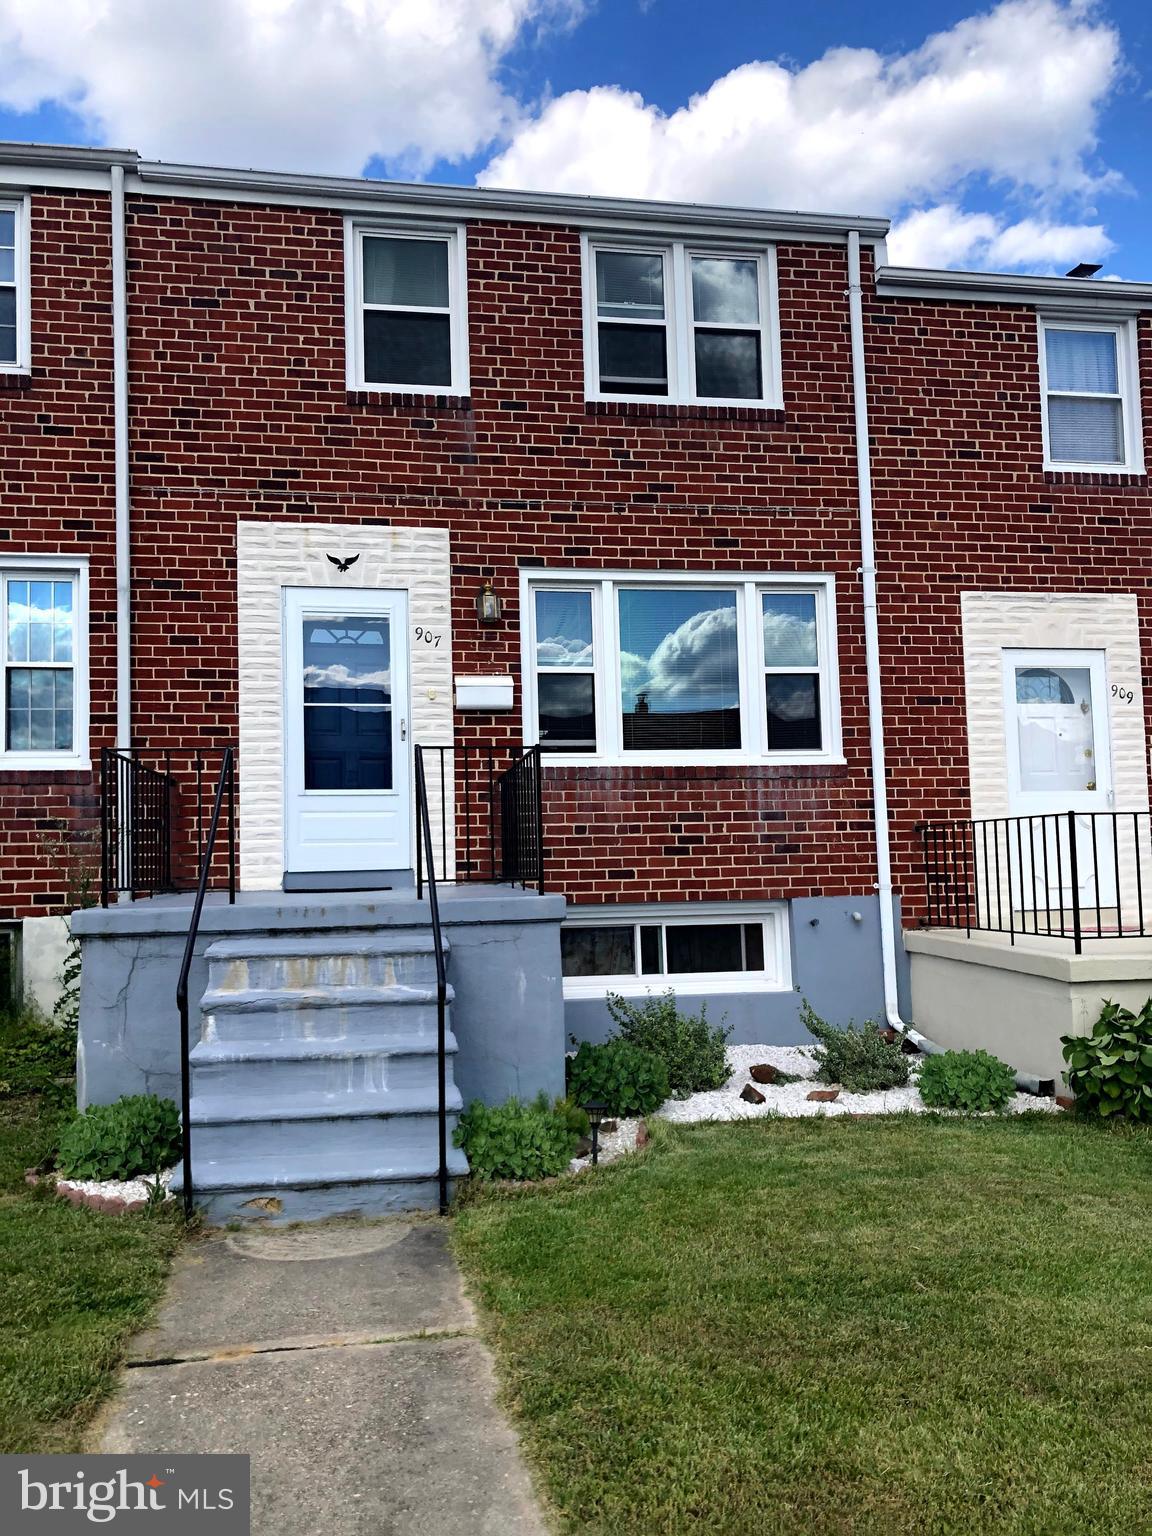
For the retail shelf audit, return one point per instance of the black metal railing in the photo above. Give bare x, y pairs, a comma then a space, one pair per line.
135, 823
154, 808
426, 875
225, 791
1074, 875
485, 805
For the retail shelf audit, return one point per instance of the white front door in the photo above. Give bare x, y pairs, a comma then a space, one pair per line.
346, 750
1059, 760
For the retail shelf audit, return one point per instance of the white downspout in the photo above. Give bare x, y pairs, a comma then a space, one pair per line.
1024, 1080
872, 649
123, 485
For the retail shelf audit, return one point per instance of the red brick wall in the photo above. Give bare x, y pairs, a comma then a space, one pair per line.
963, 503
240, 410
57, 497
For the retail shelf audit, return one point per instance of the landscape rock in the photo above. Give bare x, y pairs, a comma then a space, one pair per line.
642, 1137
753, 1095
824, 1095
763, 1072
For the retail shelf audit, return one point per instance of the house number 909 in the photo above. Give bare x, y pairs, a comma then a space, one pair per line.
427, 636
1125, 695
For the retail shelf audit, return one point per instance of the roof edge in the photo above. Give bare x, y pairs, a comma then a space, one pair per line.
1012, 288
78, 155
354, 189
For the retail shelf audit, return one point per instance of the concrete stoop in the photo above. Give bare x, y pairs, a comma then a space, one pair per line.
314, 1082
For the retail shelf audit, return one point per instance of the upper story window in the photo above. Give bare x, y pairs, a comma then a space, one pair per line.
680, 323
697, 668
13, 285
1090, 381
43, 719
407, 323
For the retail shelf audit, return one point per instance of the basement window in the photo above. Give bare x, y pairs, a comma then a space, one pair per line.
406, 310
713, 947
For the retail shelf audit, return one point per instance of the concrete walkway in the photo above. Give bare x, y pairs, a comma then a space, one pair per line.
344, 1360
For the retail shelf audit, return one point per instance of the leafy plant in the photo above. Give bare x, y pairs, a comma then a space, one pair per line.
630, 1081
862, 1060
575, 1117
33, 1055
973, 1081
517, 1141
1110, 1070
693, 1052
138, 1134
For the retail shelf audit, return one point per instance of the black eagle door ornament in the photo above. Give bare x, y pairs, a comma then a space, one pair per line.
343, 565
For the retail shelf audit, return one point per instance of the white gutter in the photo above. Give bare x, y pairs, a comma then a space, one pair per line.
123, 488
872, 647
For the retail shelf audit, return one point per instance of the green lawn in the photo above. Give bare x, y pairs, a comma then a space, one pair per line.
901, 1325
74, 1285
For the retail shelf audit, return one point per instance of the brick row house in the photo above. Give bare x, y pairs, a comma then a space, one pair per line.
777, 553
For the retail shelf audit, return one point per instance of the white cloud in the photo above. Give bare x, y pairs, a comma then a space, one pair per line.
946, 236
693, 665
310, 85
1011, 97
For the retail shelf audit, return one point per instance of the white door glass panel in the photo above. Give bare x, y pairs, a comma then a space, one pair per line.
1059, 761
347, 781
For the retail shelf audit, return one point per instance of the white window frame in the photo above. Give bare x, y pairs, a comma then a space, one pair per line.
455, 237
680, 322
22, 208
753, 695
775, 977
1128, 377
51, 568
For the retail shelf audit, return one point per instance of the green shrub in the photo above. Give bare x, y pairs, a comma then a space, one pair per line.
688, 1046
137, 1135
861, 1060
34, 1054
973, 1081
628, 1080
575, 1117
517, 1141
1110, 1070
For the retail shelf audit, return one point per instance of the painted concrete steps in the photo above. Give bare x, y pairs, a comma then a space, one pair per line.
242, 1070
316, 1186
310, 962
316, 1072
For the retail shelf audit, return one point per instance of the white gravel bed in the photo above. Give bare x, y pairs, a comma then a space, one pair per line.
791, 1099
122, 1191
612, 1145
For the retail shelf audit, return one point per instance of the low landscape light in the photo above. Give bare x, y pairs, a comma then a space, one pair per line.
596, 1110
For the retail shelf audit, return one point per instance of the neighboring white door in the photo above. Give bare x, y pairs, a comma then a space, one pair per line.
1059, 760
346, 752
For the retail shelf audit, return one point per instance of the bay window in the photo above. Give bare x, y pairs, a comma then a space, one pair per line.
672, 322
42, 653
1090, 385
692, 668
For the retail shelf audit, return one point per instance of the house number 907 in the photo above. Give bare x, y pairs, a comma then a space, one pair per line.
1125, 695
427, 636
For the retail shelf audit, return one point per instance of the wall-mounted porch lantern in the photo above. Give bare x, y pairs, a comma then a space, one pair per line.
488, 605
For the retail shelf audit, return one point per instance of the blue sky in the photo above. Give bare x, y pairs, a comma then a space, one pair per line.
1008, 136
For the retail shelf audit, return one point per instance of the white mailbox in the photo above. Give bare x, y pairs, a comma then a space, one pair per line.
488, 693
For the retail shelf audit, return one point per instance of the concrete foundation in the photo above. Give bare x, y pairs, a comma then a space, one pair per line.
835, 964
984, 993
508, 1012
43, 948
